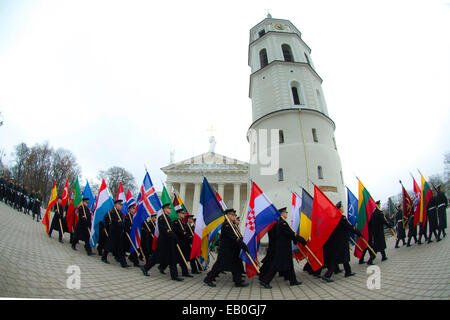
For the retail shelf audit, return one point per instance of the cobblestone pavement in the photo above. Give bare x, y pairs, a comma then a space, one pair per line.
34, 266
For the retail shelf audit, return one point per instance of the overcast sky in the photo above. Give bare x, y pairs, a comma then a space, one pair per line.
122, 83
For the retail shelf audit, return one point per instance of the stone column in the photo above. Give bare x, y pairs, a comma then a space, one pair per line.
169, 187
183, 191
221, 189
237, 198
196, 200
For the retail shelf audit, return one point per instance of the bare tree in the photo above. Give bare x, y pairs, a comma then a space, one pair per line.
21, 152
64, 166
114, 176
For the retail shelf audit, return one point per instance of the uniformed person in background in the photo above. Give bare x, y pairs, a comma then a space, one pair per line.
412, 230
228, 258
401, 234
184, 241
376, 227
432, 217
336, 249
83, 227
442, 203
282, 257
115, 241
147, 234
57, 220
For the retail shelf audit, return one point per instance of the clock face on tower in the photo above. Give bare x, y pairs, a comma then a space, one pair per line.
279, 27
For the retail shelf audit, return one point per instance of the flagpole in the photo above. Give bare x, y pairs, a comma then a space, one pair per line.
354, 242
89, 230
60, 224
368, 246
192, 233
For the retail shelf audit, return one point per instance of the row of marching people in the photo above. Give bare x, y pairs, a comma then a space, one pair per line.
435, 221
172, 246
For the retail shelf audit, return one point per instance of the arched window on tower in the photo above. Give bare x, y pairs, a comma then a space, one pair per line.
297, 94
263, 58
281, 136
287, 53
307, 59
280, 175
314, 134
319, 172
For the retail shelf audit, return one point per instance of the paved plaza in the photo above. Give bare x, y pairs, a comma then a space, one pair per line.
35, 266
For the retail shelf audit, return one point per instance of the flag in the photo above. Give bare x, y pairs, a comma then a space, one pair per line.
352, 212
416, 202
213, 237
130, 200
306, 215
147, 204
261, 216
366, 206
407, 206
209, 215
71, 217
425, 197
104, 203
87, 193
165, 199
65, 194
325, 218
295, 221
121, 196
51, 203
176, 202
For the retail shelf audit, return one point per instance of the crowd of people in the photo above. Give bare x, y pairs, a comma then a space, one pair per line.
174, 243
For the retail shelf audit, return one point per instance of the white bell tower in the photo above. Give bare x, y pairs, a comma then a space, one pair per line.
286, 93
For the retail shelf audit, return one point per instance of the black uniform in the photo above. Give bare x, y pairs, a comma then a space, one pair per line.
282, 257
442, 203
336, 249
147, 233
265, 262
376, 228
412, 231
116, 238
103, 233
82, 229
166, 249
401, 234
228, 256
184, 240
128, 246
57, 221
37, 207
432, 217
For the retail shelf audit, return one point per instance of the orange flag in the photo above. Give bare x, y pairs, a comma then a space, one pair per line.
51, 203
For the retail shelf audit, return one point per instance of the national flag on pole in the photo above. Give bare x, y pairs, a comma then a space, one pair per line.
295, 221
176, 202
407, 205
104, 203
65, 194
209, 216
130, 200
71, 216
425, 197
352, 211
148, 203
366, 206
121, 196
416, 202
261, 216
325, 218
87, 193
165, 199
306, 215
213, 237
51, 203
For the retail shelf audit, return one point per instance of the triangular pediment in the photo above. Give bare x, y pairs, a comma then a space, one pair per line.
206, 162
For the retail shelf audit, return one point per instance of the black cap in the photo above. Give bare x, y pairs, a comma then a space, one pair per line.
153, 215
85, 199
282, 209
339, 204
378, 202
131, 206
180, 211
230, 211
118, 201
166, 205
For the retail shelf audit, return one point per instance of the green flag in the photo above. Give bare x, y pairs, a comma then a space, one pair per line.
77, 194
165, 199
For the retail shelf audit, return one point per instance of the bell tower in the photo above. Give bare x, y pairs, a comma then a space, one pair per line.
286, 93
